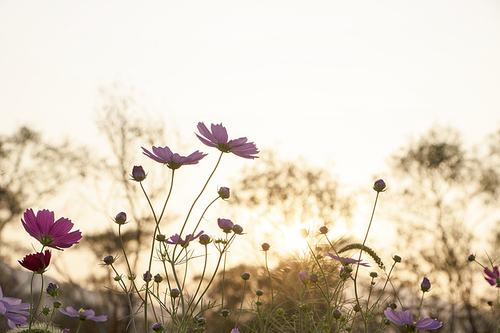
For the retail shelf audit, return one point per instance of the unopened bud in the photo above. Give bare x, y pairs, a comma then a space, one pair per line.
379, 186
224, 192
138, 173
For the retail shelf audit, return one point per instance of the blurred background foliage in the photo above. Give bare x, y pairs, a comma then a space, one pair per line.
441, 205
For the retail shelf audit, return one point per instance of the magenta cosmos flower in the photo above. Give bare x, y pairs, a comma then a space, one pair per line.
49, 233
345, 260
493, 278
37, 262
172, 160
405, 318
82, 314
12, 309
176, 239
218, 138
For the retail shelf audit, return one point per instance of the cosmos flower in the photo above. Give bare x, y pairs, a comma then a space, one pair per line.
493, 278
218, 138
82, 314
345, 260
405, 318
37, 262
225, 224
172, 160
304, 277
12, 309
176, 239
235, 330
49, 233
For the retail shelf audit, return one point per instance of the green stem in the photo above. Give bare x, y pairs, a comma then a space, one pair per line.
357, 266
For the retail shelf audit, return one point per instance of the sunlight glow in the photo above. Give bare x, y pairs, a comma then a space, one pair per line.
293, 239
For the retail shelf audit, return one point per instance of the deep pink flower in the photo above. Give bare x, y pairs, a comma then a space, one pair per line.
493, 278
172, 160
37, 262
218, 138
176, 239
82, 314
49, 233
345, 260
12, 309
405, 318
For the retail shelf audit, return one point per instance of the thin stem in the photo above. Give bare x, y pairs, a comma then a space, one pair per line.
357, 266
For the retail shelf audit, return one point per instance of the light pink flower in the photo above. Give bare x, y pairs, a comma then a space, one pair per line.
82, 314
304, 277
218, 138
176, 239
405, 318
12, 309
49, 233
345, 260
172, 160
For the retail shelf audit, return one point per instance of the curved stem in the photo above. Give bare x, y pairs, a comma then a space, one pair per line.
357, 266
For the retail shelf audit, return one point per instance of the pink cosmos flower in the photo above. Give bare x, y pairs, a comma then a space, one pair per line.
176, 239
345, 260
304, 277
235, 330
218, 138
225, 224
82, 314
12, 309
49, 233
493, 278
172, 160
405, 318
37, 262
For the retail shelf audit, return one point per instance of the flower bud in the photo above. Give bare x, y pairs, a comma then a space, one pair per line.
158, 278
108, 260
348, 269
304, 277
324, 229
56, 304
205, 239
313, 278
201, 321
396, 258
52, 289
393, 306
280, 312
138, 173
258, 303
46, 311
224, 192
490, 303
245, 276
147, 276
379, 186
237, 229
336, 314
356, 308
259, 292
471, 257
287, 270
161, 237
426, 285
121, 218
265, 246
157, 327
174, 293
373, 274
304, 233
225, 224
117, 278
225, 312
303, 307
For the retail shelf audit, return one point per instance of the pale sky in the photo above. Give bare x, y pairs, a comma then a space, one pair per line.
344, 83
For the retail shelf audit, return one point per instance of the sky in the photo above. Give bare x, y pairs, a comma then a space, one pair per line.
342, 83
